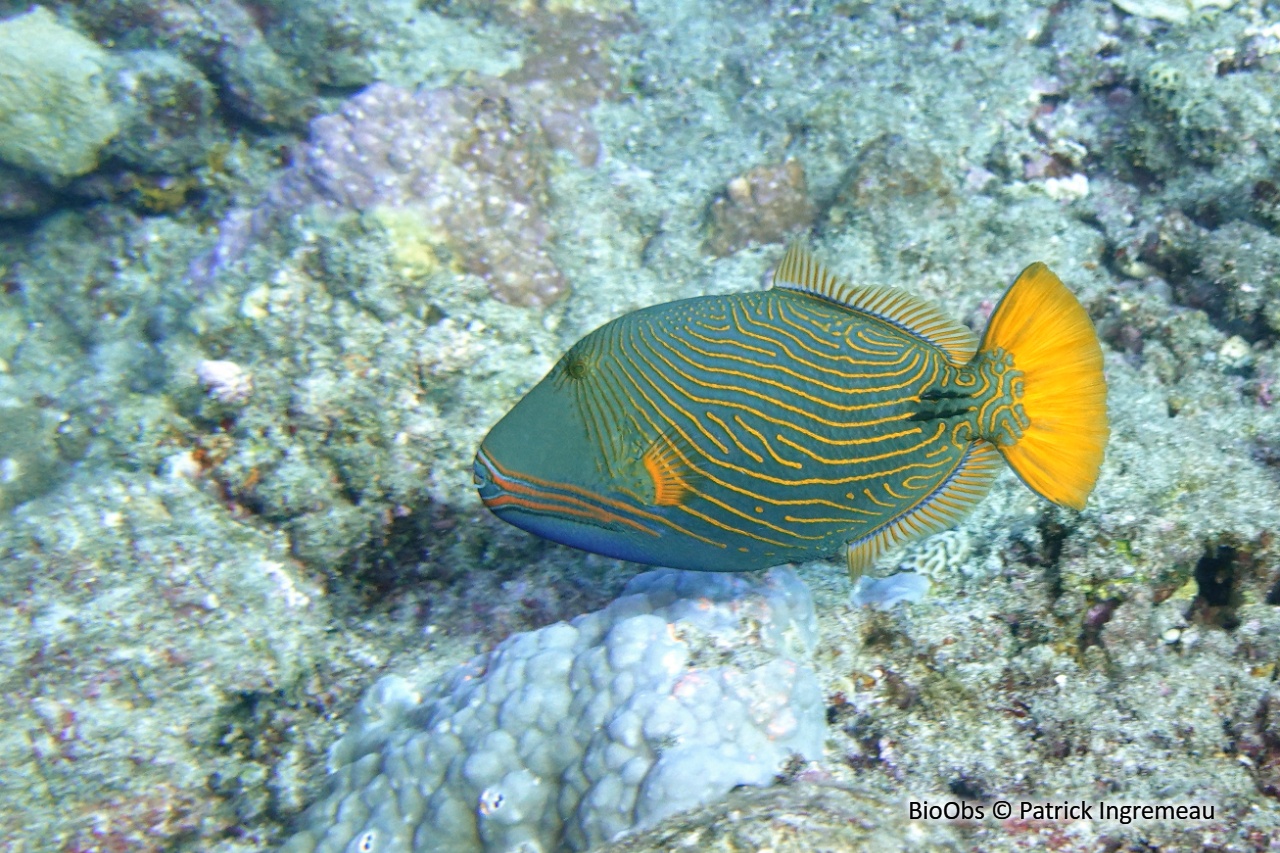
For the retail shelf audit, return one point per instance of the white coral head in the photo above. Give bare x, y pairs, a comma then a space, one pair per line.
225, 381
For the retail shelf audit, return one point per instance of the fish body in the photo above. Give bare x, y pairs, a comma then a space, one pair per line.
740, 431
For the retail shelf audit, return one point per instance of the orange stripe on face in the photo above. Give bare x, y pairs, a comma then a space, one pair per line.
506, 481
591, 514
587, 494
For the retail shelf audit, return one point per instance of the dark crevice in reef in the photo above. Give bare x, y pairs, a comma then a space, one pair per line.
1273, 594
1232, 573
1199, 255
1052, 536
1217, 598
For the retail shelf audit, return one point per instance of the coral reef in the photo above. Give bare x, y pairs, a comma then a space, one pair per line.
167, 113
153, 623
336, 41
56, 114
221, 37
374, 410
765, 205
885, 593
225, 381
685, 687
471, 171
1188, 118
178, 80
465, 166
1173, 11
796, 817
1259, 739
23, 196
530, 8
235, 502
31, 460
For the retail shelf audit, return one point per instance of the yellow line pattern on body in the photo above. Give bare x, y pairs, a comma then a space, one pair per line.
739, 396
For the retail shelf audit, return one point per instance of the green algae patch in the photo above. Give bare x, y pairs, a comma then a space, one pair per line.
55, 111
30, 463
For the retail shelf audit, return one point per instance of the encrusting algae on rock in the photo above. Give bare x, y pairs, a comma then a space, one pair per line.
56, 114
737, 432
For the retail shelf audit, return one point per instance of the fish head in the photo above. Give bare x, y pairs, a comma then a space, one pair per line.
556, 467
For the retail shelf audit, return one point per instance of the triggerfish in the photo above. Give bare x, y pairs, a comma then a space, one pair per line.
737, 432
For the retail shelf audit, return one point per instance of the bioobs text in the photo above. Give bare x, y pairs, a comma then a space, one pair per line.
950, 810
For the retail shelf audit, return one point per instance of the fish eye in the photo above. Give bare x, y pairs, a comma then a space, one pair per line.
575, 365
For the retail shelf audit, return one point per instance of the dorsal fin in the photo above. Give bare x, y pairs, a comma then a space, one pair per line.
800, 270
946, 507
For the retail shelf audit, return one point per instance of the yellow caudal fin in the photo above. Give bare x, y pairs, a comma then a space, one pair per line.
1064, 394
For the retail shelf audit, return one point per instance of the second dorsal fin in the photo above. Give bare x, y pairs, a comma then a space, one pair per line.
800, 270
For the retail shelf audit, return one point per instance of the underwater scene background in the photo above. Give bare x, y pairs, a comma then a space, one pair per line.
269, 272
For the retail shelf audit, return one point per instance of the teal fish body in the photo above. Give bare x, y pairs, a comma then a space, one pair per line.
740, 431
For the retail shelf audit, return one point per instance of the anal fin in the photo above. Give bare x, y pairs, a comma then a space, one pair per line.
948, 504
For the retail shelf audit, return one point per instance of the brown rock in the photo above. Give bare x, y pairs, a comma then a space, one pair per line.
765, 205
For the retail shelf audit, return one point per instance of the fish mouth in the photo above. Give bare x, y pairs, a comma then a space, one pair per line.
482, 477
538, 505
